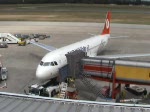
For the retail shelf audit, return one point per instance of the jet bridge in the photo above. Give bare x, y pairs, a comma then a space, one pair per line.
74, 69
8, 38
124, 71
116, 72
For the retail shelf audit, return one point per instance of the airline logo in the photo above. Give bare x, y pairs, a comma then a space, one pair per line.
107, 23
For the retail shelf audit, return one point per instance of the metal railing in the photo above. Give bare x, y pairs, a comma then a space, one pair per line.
80, 105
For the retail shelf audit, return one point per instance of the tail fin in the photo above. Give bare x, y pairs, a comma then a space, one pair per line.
106, 29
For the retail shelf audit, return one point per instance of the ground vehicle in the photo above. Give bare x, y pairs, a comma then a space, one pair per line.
22, 42
21, 36
25, 36
136, 89
47, 89
3, 45
40, 36
3, 73
34, 36
38, 90
18, 35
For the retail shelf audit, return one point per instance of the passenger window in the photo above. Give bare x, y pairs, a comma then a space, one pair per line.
55, 63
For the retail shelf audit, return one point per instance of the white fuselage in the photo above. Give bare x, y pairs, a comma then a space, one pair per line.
53, 61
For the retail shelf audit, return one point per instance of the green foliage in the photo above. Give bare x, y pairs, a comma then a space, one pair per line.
74, 1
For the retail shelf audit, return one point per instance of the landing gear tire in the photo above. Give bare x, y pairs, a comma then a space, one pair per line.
53, 93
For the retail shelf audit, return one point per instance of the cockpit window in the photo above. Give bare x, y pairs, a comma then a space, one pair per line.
48, 63
41, 63
52, 63
55, 63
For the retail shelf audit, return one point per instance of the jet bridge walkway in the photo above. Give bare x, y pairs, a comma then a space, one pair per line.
124, 71
116, 72
10, 102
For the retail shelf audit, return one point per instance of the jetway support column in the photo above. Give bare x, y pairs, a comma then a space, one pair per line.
115, 89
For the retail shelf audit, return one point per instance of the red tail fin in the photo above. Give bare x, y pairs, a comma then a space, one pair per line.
106, 29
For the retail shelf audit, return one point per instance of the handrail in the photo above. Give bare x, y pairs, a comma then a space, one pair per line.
75, 101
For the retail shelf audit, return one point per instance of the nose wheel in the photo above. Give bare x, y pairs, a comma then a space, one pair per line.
53, 93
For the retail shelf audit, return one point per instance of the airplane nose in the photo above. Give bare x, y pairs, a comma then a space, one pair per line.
41, 73
38, 74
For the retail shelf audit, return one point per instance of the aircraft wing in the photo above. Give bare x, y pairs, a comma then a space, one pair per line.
119, 56
46, 47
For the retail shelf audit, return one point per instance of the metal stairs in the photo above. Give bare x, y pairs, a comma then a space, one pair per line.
9, 38
63, 90
90, 83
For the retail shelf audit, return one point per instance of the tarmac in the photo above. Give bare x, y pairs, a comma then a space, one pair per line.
22, 61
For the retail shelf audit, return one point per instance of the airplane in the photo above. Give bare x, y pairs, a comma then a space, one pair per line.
50, 64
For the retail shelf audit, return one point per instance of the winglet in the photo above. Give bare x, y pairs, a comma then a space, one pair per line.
106, 29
